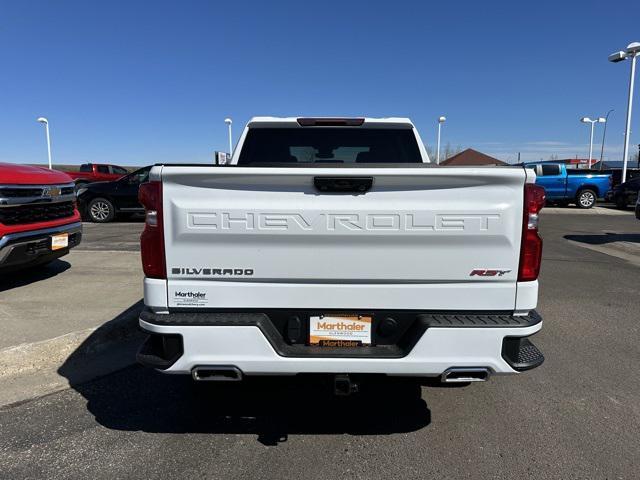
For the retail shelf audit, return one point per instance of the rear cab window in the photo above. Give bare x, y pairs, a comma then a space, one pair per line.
118, 170
329, 146
549, 170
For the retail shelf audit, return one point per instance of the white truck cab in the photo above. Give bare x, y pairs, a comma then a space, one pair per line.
332, 245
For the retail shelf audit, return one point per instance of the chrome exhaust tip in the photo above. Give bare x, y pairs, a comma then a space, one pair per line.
465, 375
217, 373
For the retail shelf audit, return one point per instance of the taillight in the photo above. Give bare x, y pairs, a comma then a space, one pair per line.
152, 239
531, 247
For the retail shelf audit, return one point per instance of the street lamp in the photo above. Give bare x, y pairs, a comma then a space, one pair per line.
632, 51
592, 122
228, 121
604, 134
441, 120
45, 122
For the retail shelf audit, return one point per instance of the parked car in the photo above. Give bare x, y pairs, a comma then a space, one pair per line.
101, 201
97, 172
38, 218
337, 252
616, 173
625, 194
563, 186
638, 208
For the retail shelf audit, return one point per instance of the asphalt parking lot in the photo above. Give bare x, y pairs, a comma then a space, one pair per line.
102, 276
577, 416
117, 236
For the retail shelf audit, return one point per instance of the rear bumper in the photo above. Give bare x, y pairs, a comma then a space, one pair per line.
22, 249
435, 343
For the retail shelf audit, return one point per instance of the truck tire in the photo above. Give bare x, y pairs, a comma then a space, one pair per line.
101, 210
621, 203
586, 198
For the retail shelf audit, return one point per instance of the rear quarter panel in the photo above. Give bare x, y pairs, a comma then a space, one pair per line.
597, 182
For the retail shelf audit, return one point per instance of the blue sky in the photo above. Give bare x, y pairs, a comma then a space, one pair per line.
134, 82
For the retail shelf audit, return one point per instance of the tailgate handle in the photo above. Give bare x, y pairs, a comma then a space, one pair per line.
343, 184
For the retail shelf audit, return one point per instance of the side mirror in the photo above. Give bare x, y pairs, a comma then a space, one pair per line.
221, 158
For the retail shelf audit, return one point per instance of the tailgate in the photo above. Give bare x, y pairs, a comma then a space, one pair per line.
267, 238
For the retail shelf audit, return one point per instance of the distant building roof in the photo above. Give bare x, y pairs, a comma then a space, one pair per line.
569, 161
472, 157
577, 161
617, 164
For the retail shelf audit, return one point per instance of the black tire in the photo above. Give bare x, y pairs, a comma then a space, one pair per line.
100, 210
621, 203
586, 198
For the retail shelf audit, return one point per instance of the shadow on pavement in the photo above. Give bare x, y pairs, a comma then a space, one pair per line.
110, 347
31, 275
269, 407
603, 239
126, 396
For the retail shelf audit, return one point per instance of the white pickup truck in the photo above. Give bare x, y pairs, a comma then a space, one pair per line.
332, 245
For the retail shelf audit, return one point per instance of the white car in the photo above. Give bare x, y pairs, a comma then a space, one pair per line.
332, 245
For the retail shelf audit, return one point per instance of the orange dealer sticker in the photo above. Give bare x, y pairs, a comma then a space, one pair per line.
340, 330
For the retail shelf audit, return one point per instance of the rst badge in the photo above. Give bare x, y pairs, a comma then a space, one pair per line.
483, 272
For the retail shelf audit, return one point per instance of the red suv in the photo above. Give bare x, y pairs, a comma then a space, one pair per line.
39, 221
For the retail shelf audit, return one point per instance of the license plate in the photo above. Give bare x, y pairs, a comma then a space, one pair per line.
59, 241
340, 330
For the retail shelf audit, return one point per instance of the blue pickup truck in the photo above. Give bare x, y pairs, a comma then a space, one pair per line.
562, 186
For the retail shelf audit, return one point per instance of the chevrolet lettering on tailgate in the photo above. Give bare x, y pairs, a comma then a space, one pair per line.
351, 222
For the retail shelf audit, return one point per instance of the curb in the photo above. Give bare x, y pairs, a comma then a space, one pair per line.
31, 370
597, 210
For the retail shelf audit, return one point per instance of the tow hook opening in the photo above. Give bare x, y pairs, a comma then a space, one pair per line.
465, 375
343, 385
221, 373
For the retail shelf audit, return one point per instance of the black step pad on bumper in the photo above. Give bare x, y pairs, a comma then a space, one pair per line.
160, 351
521, 354
430, 319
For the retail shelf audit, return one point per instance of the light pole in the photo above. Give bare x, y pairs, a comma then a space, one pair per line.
228, 121
45, 122
604, 134
632, 51
441, 120
592, 122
